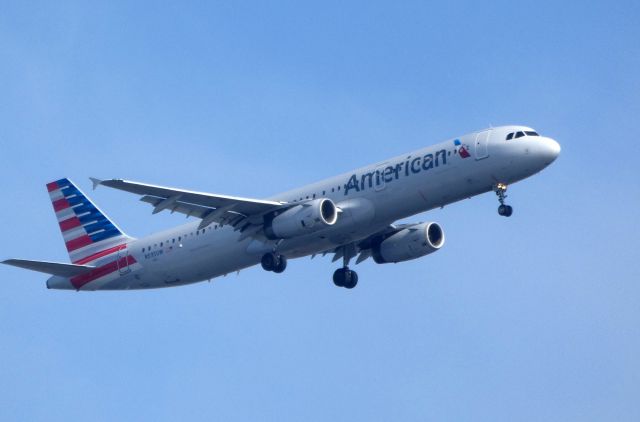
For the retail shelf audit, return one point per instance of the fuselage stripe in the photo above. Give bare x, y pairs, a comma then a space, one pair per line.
97, 255
102, 271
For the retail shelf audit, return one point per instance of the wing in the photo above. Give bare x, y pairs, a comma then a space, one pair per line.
363, 248
221, 209
53, 268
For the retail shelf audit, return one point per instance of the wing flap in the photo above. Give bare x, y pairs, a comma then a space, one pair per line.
191, 210
53, 268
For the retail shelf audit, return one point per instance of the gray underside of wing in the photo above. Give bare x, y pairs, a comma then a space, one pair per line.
363, 248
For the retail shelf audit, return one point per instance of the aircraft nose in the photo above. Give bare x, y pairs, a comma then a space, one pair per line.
550, 150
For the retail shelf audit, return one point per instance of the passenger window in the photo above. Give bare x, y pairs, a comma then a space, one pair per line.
510, 136
519, 135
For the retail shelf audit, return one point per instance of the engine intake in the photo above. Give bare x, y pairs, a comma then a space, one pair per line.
302, 219
409, 243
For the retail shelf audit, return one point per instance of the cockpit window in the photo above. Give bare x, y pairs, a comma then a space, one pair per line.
531, 133
519, 134
510, 136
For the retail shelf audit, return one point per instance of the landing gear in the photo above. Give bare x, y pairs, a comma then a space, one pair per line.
504, 210
281, 265
344, 277
274, 262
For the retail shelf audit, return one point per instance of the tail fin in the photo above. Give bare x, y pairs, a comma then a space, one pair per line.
87, 232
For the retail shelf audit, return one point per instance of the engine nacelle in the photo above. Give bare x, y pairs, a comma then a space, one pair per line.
302, 219
409, 243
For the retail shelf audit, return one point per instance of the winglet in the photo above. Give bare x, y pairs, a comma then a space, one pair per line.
96, 182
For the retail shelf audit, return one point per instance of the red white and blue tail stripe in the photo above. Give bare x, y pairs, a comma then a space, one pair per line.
87, 232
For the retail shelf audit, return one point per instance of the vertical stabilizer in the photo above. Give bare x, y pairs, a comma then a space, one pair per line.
88, 233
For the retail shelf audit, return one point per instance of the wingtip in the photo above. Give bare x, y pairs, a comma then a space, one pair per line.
96, 182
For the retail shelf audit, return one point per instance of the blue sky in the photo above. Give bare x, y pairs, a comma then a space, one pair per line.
536, 317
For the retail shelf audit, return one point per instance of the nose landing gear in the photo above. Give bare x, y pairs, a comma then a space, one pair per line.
504, 210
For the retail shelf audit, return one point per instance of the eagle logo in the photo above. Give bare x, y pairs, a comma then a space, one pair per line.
463, 150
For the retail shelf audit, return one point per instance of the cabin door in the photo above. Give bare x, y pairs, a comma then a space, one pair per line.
482, 144
123, 261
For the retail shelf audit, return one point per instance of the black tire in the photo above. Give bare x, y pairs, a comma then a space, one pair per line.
338, 277
281, 265
269, 261
352, 280
509, 211
502, 210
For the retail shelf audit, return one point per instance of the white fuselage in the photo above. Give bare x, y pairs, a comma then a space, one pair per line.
370, 198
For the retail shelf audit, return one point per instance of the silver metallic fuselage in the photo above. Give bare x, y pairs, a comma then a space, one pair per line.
370, 198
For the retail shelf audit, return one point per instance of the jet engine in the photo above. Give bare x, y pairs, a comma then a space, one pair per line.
302, 219
409, 243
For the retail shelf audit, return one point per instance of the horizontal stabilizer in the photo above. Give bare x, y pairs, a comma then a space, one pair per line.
53, 268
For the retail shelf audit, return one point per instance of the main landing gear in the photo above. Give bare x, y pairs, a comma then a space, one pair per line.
274, 262
504, 210
344, 277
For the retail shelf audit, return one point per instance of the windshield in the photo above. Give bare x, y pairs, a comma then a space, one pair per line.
521, 133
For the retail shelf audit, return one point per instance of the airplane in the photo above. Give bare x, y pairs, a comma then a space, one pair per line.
350, 215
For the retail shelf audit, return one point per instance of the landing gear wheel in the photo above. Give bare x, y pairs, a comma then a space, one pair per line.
353, 280
274, 262
269, 261
338, 277
281, 265
344, 277
504, 210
